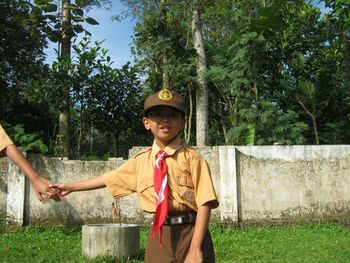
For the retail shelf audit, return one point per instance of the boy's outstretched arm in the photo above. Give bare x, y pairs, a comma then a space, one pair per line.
195, 253
40, 184
85, 185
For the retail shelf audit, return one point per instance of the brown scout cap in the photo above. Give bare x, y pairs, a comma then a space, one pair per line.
165, 97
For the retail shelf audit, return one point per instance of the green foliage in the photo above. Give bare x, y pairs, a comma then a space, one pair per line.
105, 101
272, 82
339, 14
28, 142
307, 89
270, 18
48, 14
21, 50
298, 63
163, 32
276, 73
91, 21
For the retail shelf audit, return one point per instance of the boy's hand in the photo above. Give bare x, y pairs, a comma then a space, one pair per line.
62, 189
194, 256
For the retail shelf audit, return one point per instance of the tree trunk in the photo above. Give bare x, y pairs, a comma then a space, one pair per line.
165, 76
202, 91
91, 138
113, 138
224, 130
313, 118
116, 139
80, 137
188, 126
223, 125
166, 80
64, 116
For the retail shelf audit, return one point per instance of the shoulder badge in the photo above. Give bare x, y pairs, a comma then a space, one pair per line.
165, 94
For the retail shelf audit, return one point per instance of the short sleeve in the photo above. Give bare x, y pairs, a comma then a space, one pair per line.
122, 181
203, 184
4, 139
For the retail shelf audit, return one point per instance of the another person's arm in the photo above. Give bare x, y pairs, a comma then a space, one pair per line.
85, 185
40, 184
195, 253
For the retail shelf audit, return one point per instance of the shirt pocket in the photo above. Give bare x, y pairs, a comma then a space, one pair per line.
146, 186
185, 189
146, 194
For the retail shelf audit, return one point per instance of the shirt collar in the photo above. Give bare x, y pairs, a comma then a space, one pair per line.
170, 149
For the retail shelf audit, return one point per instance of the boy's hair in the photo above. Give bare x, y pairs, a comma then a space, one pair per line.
164, 97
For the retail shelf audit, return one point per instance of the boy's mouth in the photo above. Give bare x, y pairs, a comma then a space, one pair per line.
165, 128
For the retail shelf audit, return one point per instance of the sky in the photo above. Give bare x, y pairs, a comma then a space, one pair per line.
117, 35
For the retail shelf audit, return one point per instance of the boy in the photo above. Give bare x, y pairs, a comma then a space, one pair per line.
41, 185
171, 180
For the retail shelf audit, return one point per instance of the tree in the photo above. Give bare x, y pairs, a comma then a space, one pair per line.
65, 50
63, 30
254, 76
22, 66
163, 47
339, 17
202, 90
105, 101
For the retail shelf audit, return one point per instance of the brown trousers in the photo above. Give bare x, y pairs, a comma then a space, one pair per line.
176, 242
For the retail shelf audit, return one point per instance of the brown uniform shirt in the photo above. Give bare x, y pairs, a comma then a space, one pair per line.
189, 178
4, 139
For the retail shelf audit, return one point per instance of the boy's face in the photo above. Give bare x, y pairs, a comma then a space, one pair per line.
165, 123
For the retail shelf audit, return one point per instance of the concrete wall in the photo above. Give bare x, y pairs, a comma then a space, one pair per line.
288, 183
255, 184
3, 183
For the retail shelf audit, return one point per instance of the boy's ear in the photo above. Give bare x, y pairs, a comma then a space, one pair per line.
146, 124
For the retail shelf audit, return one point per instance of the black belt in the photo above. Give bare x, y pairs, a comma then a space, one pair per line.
188, 218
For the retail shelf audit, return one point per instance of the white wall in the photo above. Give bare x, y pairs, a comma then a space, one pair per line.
254, 184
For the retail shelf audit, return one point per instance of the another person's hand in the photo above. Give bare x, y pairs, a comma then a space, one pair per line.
61, 189
40, 184
41, 187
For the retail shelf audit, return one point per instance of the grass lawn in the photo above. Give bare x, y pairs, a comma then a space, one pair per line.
296, 243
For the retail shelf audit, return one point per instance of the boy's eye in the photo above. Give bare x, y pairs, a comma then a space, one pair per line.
154, 114
165, 114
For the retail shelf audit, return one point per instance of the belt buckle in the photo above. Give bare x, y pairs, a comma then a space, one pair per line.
176, 220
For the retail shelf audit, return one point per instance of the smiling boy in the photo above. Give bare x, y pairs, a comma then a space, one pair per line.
171, 179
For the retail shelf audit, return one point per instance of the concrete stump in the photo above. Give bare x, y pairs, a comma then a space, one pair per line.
117, 240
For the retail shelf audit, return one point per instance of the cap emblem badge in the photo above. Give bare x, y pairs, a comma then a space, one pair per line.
165, 94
